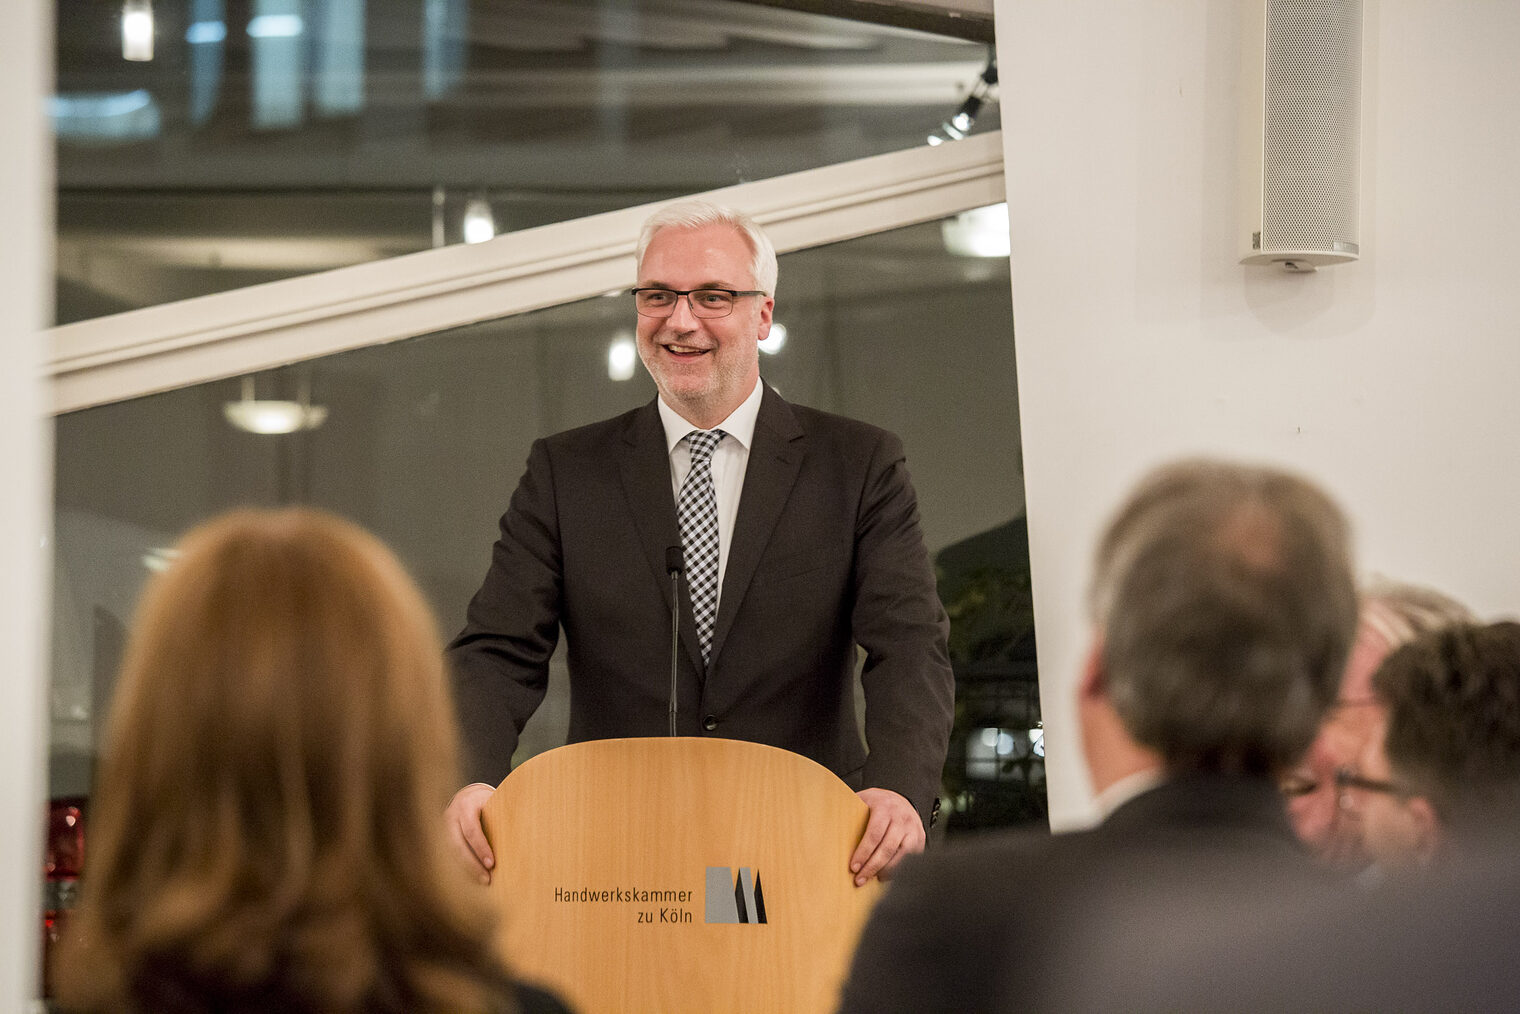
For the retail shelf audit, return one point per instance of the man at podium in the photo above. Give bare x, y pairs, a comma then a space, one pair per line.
790, 536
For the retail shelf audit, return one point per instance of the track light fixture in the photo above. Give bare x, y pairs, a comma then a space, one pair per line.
959, 124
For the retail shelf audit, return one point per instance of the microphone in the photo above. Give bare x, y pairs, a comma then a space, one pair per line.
675, 566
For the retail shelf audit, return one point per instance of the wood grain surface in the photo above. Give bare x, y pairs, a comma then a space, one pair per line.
603, 850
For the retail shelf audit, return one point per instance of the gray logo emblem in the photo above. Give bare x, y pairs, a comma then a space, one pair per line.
733, 898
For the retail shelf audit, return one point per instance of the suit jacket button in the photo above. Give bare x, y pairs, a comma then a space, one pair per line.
710, 723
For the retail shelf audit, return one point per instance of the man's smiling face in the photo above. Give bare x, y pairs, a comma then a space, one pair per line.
704, 367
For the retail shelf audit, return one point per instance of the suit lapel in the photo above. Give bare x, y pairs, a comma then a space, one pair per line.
645, 468
775, 458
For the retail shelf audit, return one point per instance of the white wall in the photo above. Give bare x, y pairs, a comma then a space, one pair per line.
25, 262
1395, 381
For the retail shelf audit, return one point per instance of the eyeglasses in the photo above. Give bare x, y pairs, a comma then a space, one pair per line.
1297, 784
705, 303
1345, 778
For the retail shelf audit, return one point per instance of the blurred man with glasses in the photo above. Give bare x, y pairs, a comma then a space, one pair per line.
799, 539
1223, 610
1390, 614
1436, 794
1439, 778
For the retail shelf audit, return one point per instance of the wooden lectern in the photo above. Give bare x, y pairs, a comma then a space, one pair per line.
679, 874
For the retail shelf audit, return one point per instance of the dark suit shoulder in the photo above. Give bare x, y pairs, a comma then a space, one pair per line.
814, 421
537, 1000
984, 851
939, 937
848, 444
990, 871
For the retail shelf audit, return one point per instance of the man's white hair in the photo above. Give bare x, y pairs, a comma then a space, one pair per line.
693, 214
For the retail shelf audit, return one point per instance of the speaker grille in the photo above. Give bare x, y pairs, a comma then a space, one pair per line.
1311, 163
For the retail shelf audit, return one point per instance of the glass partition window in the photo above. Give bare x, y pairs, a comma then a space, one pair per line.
205, 145
423, 441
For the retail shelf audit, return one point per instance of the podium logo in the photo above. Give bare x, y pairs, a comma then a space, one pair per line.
733, 898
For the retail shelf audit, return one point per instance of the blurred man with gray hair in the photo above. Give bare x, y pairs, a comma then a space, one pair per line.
1223, 610
1439, 789
1323, 813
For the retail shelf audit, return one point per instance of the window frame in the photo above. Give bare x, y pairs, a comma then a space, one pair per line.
161, 348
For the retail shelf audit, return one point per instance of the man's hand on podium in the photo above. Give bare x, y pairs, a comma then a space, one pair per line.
463, 817
894, 830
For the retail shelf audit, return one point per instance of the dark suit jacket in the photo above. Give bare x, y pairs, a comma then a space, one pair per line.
826, 552
1014, 921
1445, 939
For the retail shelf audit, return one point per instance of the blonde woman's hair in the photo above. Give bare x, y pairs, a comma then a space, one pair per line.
268, 816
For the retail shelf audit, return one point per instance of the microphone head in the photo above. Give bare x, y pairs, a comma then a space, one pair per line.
675, 560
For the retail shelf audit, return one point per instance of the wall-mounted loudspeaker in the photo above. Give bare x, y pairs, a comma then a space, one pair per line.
1301, 132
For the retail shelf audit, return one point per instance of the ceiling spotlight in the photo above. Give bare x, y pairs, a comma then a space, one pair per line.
959, 123
479, 223
273, 417
622, 357
159, 558
771, 343
137, 30
980, 232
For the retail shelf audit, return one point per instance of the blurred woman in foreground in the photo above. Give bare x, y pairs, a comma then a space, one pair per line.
267, 831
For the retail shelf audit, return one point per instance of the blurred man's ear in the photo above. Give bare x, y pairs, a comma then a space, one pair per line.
1110, 751
1426, 827
1094, 682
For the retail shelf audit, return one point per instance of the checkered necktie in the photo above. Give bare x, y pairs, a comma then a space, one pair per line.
697, 514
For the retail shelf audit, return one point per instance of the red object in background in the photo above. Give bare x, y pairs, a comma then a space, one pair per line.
62, 863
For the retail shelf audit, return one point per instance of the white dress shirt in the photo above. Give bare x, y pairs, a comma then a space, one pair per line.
729, 461
1125, 789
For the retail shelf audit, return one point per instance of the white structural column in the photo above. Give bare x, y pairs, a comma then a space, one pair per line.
25, 456
1141, 338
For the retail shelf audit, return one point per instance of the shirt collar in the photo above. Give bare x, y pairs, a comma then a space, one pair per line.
740, 423
1127, 788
